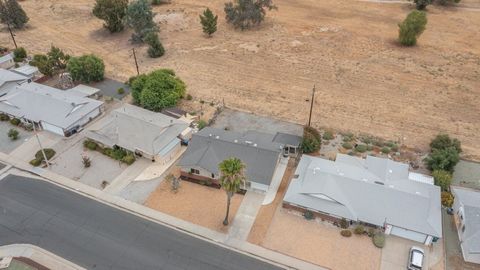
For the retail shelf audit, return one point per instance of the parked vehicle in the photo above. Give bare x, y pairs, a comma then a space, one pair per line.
415, 258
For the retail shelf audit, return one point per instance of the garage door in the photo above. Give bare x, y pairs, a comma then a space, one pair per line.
415, 236
52, 128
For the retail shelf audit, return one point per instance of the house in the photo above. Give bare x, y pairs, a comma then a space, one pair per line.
373, 191
146, 133
6, 61
82, 90
9, 79
467, 219
49, 108
28, 71
209, 147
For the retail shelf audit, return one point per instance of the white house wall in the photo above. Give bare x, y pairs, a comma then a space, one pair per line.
86, 119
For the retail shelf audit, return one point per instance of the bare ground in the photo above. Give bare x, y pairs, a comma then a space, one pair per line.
365, 81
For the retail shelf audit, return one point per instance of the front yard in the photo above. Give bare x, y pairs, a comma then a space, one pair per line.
7, 145
202, 205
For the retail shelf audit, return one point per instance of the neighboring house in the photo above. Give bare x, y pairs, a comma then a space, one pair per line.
146, 133
210, 146
373, 191
82, 90
467, 219
52, 109
9, 79
6, 61
28, 71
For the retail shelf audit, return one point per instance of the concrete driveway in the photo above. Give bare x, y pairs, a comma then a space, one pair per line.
6, 144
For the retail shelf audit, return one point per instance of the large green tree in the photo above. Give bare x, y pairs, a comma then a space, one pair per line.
412, 27
112, 12
209, 22
54, 61
86, 68
443, 141
232, 178
244, 14
140, 19
12, 14
158, 90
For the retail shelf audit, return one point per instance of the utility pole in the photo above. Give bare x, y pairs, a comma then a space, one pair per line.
136, 63
12, 34
41, 147
311, 106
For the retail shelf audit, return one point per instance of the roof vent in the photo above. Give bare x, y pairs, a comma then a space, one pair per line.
248, 142
217, 137
210, 135
391, 186
379, 183
254, 145
364, 179
235, 141
390, 171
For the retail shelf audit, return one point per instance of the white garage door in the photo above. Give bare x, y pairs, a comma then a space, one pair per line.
415, 236
52, 128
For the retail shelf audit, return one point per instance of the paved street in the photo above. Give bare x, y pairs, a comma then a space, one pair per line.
96, 236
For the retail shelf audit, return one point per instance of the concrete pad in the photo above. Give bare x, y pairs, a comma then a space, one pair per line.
6, 144
276, 181
246, 214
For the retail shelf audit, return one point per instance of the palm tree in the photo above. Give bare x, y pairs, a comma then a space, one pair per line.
232, 177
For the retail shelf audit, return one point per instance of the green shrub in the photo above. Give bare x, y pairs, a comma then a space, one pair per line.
344, 223
308, 215
347, 145
447, 199
444, 159
49, 152
120, 91
366, 139
35, 162
86, 68
443, 141
13, 134
369, 147
378, 143
311, 141
89, 144
314, 132
4, 117
129, 159
412, 27
28, 126
443, 179
15, 121
385, 150
201, 124
371, 232
328, 135
379, 240
389, 144
361, 148
118, 153
394, 148
346, 233
19, 54
359, 229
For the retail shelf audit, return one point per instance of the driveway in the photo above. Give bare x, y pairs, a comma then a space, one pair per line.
6, 144
96, 236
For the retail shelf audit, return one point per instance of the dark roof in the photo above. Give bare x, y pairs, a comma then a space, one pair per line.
287, 139
174, 112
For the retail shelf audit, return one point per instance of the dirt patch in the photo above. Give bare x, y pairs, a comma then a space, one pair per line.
365, 81
195, 203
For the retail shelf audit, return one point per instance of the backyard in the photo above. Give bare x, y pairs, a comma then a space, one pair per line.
365, 82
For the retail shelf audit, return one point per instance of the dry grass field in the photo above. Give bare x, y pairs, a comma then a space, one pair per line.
365, 81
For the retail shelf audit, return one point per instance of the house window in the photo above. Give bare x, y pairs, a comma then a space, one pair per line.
213, 175
463, 228
194, 171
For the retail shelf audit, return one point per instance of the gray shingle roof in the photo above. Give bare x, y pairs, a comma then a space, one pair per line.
471, 203
372, 190
287, 139
211, 146
39, 102
7, 76
132, 128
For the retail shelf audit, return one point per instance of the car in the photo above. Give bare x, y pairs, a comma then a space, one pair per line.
415, 258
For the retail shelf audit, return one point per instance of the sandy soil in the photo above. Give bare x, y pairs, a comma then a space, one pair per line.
365, 81
195, 203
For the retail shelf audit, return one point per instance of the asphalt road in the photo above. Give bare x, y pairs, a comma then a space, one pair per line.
96, 236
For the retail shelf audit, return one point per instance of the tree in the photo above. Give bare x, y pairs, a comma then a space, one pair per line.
12, 14
442, 179
158, 90
43, 64
51, 63
247, 13
422, 4
443, 141
140, 18
112, 12
311, 140
209, 22
19, 54
232, 178
86, 68
156, 48
13, 134
412, 27
444, 159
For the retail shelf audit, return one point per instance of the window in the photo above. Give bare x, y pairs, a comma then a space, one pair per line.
213, 175
194, 171
463, 228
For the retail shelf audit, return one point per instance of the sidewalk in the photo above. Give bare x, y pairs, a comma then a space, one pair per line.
246, 214
38, 255
276, 181
241, 246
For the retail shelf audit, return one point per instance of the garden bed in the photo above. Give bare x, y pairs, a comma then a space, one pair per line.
116, 152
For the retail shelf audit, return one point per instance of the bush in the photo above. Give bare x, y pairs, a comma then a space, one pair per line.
244, 14
447, 199
445, 159
13, 134
201, 124
19, 54
371, 232
348, 136
120, 91
112, 12
86, 68
49, 152
361, 148
189, 97
369, 147
394, 148
359, 229
379, 240
15, 121
308, 215
4, 117
129, 159
328, 135
118, 153
346, 233
28, 126
311, 140
443, 141
442, 179
156, 48
209, 22
385, 150
35, 162
347, 145
412, 27
422, 4
343, 223
89, 144
378, 143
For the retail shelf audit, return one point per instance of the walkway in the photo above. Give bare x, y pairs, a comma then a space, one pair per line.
276, 181
246, 214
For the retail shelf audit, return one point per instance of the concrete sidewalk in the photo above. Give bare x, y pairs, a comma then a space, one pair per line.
276, 181
38, 255
246, 214
206, 234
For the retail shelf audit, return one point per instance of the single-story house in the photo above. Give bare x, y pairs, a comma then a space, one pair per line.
209, 147
467, 218
149, 134
51, 109
6, 61
28, 71
373, 191
8, 80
